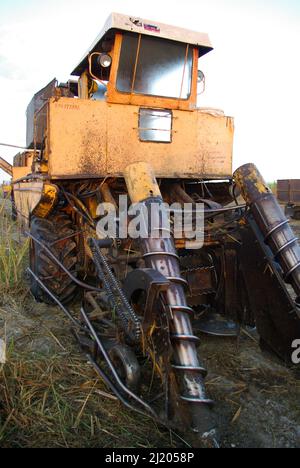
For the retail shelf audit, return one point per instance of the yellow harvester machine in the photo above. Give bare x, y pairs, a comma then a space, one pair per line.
128, 125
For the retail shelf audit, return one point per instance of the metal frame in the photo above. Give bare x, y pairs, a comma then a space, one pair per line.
120, 22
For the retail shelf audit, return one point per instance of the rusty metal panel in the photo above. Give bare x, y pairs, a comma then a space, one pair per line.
295, 191
283, 191
96, 139
36, 115
77, 142
214, 144
288, 191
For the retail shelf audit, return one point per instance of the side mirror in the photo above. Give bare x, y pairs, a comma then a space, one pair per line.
201, 77
201, 81
101, 60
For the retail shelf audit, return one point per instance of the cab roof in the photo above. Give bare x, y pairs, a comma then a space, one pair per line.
120, 22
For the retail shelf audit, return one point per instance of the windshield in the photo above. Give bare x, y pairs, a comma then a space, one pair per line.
156, 67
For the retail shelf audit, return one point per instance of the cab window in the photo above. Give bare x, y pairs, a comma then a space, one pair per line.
155, 67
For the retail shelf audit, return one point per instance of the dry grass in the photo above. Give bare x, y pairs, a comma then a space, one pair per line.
58, 402
12, 254
49, 395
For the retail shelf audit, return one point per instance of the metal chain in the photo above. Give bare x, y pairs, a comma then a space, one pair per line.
117, 299
185, 260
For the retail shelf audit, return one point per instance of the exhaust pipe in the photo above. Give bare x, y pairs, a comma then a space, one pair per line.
272, 222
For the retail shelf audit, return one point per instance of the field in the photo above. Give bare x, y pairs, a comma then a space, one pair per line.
50, 396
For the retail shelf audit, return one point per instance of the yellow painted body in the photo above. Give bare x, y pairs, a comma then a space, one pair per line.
6, 189
249, 176
23, 165
89, 139
141, 182
96, 139
34, 198
20, 172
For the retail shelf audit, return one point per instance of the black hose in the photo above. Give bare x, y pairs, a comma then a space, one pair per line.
42, 285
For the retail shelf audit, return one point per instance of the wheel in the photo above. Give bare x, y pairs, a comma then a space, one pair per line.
288, 210
296, 214
56, 233
127, 365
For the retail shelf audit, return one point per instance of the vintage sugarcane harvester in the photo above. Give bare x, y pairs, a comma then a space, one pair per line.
127, 125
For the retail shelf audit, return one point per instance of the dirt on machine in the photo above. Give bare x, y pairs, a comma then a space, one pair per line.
127, 131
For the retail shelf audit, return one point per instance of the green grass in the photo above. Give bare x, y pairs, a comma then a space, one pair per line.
273, 186
13, 254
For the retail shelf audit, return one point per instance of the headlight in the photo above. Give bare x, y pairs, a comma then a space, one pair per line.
104, 60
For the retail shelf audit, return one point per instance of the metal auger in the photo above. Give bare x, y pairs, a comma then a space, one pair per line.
159, 253
272, 223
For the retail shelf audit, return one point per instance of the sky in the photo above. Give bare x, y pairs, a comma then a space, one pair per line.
253, 74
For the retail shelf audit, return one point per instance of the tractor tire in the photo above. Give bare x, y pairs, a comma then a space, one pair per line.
56, 233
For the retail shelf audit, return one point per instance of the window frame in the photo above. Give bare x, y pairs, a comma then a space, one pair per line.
170, 112
140, 38
117, 97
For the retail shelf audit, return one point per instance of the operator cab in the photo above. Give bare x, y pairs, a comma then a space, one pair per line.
134, 61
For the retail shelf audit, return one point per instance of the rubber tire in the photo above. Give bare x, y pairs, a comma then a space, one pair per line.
49, 232
296, 215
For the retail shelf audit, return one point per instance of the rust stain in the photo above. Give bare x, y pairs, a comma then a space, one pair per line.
93, 156
102, 139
